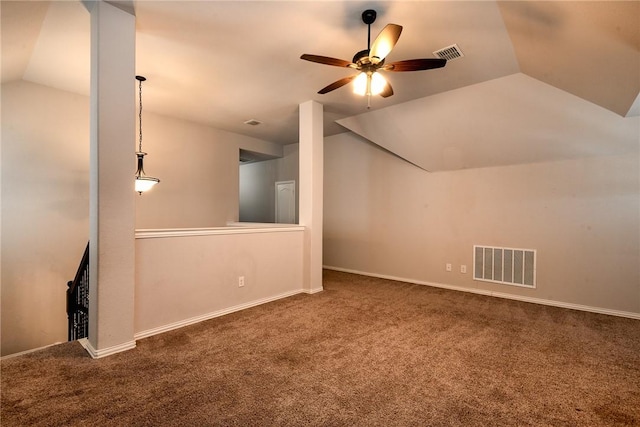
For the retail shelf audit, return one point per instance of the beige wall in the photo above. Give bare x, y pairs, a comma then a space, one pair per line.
385, 216
198, 170
179, 279
45, 197
45, 210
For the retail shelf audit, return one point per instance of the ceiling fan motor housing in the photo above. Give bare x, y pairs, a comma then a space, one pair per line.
360, 57
363, 61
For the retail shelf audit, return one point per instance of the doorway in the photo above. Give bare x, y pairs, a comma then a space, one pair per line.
286, 202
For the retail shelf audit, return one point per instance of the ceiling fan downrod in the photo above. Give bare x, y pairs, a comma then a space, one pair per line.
369, 17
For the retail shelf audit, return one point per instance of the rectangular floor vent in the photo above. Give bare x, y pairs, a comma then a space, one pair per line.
505, 265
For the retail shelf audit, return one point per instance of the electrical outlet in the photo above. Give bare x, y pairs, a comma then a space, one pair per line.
240, 281
463, 269
448, 267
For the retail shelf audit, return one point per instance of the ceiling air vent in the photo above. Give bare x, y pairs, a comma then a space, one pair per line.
449, 53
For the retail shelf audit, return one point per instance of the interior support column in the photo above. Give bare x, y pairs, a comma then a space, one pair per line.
311, 188
112, 167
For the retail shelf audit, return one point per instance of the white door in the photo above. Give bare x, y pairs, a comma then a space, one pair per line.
286, 202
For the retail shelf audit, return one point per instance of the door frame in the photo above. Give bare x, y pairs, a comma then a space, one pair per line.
294, 199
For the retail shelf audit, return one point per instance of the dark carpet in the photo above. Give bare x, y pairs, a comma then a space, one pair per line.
365, 352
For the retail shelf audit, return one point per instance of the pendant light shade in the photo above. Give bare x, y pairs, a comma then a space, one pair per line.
143, 182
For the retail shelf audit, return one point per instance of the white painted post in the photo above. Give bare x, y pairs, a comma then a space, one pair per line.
311, 191
112, 168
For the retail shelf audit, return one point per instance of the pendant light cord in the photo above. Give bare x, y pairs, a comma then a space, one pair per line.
140, 115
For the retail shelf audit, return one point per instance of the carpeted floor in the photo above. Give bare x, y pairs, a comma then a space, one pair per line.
365, 352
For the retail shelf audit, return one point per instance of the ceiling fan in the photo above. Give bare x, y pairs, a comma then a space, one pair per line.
372, 60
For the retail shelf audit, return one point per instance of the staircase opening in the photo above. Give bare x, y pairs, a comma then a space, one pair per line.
78, 300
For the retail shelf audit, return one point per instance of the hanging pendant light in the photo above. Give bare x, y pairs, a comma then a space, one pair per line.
143, 182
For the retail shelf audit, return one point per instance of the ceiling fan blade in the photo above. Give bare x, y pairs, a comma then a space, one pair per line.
388, 90
337, 84
385, 41
416, 64
326, 60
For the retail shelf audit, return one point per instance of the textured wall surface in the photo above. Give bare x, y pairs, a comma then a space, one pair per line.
387, 217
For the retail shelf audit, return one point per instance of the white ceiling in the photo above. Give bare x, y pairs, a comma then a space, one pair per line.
223, 62
527, 121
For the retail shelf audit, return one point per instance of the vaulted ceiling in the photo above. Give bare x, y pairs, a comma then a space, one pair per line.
222, 63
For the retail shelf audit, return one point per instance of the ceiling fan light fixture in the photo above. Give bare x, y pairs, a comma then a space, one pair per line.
377, 84
360, 84
371, 60
368, 83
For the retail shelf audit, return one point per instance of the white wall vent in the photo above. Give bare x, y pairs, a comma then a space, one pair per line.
449, 53
505, 265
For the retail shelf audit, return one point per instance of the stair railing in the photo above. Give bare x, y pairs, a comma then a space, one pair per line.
78, 300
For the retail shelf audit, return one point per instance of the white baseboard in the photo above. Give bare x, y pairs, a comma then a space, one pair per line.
97, 354
541, 301
104, 352
22, 353
314, 290
218, 313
